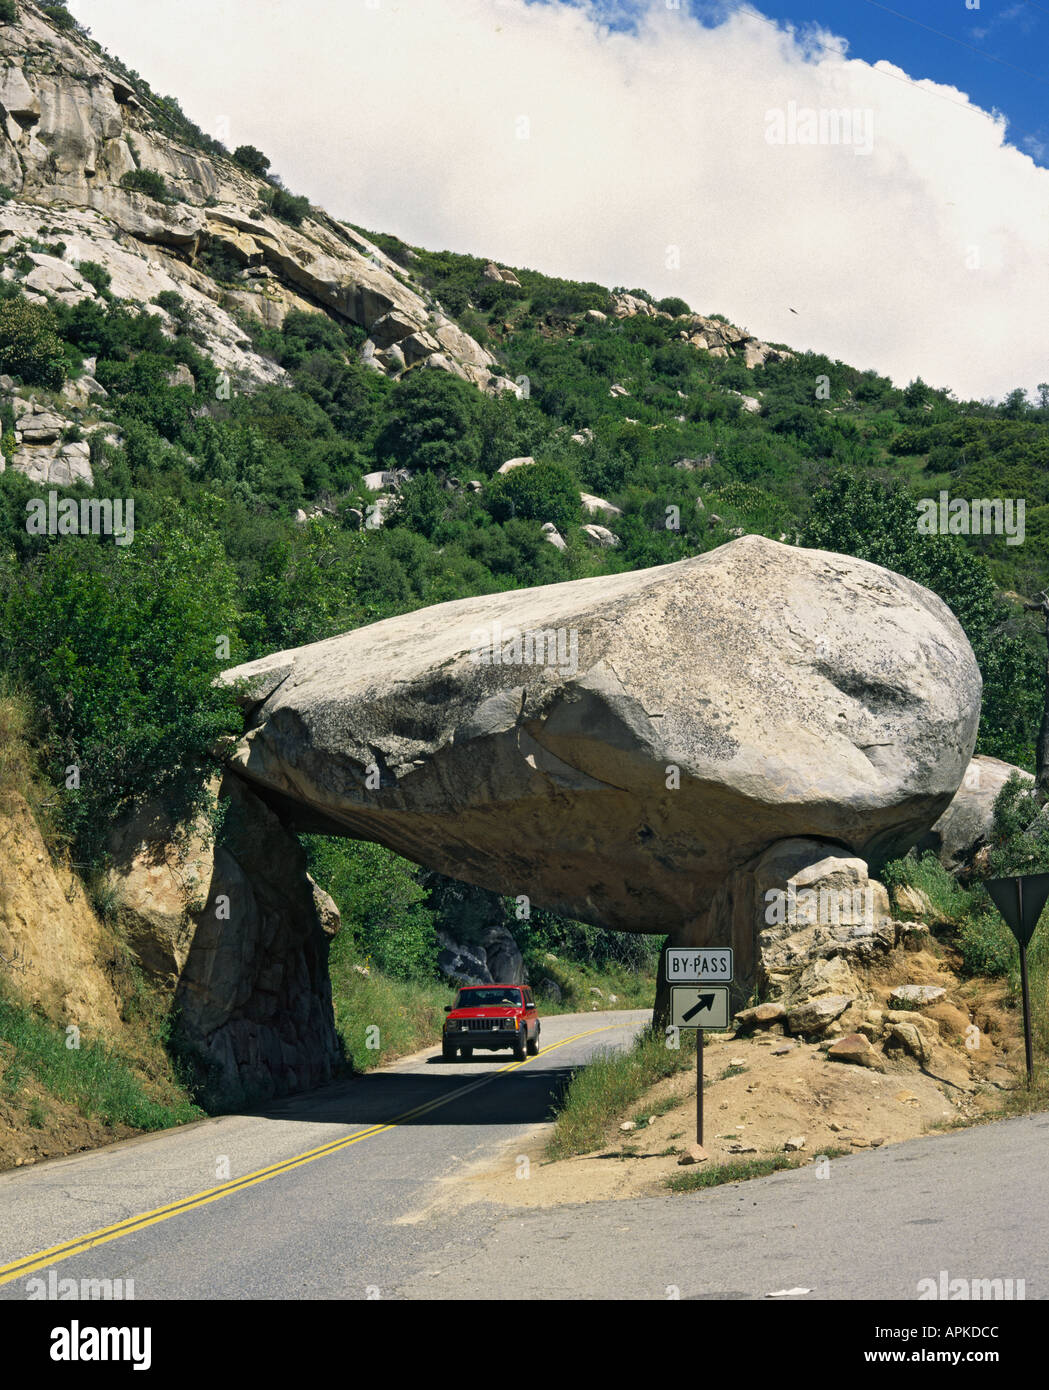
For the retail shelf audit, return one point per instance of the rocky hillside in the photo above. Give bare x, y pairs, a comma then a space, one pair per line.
320, 428
88, 149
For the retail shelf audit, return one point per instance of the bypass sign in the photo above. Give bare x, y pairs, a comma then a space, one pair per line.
699, 965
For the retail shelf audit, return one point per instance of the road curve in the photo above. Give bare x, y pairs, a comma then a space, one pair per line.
299, 1200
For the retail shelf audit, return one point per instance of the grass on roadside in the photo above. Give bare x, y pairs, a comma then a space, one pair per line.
94, 1078
608, 1086
380, 1019
713, 1175
620, 986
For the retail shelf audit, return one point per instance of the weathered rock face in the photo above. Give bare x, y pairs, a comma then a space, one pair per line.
645, 736
53, 949
965, 827
240, 932
494, 960
71, 128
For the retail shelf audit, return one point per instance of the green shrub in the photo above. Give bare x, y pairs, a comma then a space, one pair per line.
149, 182
96, 275
986, 945
288, 207
536, 492
1020, 836
673, 305
8, 12
30, 347
253, 160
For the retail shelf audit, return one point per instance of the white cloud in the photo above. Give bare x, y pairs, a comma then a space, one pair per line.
928, 255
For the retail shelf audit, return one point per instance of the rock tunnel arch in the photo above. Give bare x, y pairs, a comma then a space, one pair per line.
748, 698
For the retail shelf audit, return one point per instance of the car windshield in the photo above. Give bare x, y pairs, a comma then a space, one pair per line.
488, 999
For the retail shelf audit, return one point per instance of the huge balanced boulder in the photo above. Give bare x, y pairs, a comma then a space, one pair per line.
614, 747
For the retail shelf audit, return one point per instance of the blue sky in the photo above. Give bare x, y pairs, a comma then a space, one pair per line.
996, 53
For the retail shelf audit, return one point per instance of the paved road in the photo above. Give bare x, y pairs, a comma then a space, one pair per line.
973, 1203
246, 1207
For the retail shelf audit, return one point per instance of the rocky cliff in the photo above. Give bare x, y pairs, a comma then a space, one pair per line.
74, 124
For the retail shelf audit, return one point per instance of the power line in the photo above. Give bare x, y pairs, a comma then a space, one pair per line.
951, 39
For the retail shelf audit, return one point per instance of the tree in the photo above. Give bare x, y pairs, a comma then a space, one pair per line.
29, 344
917, 393
1041, 606
120, 647
434, 422
1015, 407
61, 18
253, 160
384, 908
536, 492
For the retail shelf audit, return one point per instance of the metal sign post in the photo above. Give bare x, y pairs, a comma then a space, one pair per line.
699, 1005
1020, 901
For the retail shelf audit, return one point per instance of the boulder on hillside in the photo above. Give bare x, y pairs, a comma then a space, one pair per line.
463, 964
600, 536
597, 506
965, 827
616, 747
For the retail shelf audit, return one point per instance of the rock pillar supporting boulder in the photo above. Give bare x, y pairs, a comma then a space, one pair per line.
240, 932
801, 900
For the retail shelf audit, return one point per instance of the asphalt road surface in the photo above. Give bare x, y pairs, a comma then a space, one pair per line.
300, 1200
303, 1200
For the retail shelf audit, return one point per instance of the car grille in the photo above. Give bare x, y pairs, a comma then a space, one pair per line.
483, 1025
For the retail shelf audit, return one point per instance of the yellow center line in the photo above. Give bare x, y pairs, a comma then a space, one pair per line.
28, 1264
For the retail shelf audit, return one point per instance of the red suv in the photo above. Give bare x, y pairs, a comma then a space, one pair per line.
490, 1017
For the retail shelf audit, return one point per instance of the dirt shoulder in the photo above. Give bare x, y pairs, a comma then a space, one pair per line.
764, 1094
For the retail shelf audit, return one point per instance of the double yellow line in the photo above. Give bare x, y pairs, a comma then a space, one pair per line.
28, 1264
